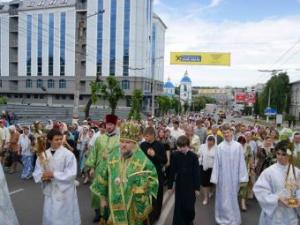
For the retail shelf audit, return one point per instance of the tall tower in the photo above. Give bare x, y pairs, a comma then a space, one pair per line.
186, 89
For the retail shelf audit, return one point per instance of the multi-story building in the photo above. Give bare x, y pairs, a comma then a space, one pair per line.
295, 99
223, 96
46, 44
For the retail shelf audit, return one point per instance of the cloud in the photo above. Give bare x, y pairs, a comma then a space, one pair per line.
254, 45
215, 3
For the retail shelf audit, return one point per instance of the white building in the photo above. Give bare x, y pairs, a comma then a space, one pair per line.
186, 89
169, 88
39, 40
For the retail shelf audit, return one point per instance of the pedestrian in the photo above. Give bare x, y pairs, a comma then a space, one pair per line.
185, 172
201, 131
194, 139
207, 153
228, 173
271, 189
245, 188
26, 152
176, 131
2, 142
57, 171
7, 212
156, 153
265, 155
99, 153
14, 148
128, 182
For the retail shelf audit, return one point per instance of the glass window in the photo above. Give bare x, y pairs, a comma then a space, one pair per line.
62, 84
29, 43
28, 83
40, 45
51, 83
125, 84
62, 42
126, 38
113, 30
0, 83
99, 37
51, 43
39, 83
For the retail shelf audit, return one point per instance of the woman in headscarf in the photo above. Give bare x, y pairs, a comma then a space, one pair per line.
206, 160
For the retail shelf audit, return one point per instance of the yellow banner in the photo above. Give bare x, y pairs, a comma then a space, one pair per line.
200, 58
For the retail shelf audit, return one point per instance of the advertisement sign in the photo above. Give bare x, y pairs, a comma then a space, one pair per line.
201, 58
250, 98
270, 111
240, 97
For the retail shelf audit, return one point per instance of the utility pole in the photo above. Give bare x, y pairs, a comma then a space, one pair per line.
79, 53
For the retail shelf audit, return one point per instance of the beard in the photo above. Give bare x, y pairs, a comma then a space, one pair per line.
127, 154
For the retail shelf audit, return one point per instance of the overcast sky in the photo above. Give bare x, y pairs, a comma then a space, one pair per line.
256, 32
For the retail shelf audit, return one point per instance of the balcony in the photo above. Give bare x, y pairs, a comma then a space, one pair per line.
13, 12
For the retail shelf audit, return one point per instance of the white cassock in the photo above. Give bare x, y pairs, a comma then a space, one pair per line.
229, 171
267, 189
7, 212
60, 196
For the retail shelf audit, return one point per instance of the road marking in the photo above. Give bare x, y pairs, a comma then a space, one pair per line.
166, 211
16, 191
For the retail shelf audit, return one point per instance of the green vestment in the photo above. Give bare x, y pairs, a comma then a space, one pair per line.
128, 185
97, 157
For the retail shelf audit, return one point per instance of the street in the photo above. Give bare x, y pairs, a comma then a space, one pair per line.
28, 202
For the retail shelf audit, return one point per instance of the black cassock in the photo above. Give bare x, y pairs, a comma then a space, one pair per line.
159, 160
185, 172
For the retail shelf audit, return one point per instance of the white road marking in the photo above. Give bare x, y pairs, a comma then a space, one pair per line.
166, 211
16, 191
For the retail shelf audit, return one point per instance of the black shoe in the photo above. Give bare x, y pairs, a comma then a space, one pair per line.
97, 216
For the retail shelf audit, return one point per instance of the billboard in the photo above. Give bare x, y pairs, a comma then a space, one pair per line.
248, 98
200, 58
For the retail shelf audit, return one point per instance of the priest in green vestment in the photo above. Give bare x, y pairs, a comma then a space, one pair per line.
98, 155
128, 182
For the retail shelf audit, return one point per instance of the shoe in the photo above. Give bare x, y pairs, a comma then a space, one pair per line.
205, 202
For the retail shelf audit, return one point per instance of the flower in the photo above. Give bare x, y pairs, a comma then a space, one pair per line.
118, 181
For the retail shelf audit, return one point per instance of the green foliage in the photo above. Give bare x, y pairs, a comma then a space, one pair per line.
175, 105
112, 92
3, 101
165, 104
136, 107
199, 102
280, 92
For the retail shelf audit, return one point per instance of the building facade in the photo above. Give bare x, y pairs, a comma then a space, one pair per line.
169, 88
46, 44
186, 89
295, 99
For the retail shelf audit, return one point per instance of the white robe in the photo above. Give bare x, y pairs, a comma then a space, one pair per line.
7, 212
60, 196
229, 171
267, 189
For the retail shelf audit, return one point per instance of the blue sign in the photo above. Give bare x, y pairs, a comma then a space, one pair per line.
270, 112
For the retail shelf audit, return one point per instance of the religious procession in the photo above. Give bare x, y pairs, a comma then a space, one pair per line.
129, 166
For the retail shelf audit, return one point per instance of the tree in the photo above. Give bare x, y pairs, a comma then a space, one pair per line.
280, 92
175, 105
3, 101
112, 91
136, 107
95, 87
256, 105
164, 103
199, 103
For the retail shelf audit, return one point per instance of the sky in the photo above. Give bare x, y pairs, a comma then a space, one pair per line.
259, 34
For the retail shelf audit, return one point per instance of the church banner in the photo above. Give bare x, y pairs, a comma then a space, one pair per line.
201, 58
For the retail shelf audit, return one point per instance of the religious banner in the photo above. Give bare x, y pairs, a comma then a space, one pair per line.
201, 58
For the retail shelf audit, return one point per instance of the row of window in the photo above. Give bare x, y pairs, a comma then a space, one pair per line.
50, 83
50, 41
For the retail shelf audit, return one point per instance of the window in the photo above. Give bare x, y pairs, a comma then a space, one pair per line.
29, 33
99, 37
113, 30
51, 83
51, 44
62, 42
39, 83
62, 84
153, 49
40, 45
0, 83
28, 83
125, 84
126, 38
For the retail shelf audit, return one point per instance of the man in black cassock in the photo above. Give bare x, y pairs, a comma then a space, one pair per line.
155, 151
185, 172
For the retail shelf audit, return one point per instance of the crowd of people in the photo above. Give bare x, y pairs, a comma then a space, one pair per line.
129, 165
